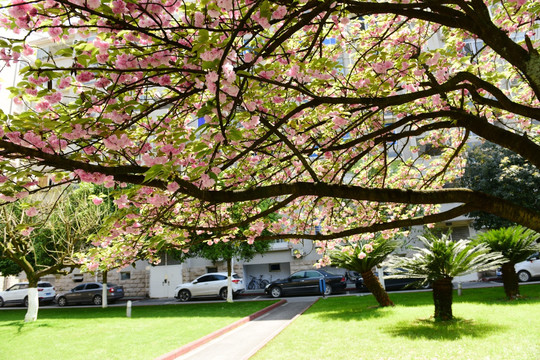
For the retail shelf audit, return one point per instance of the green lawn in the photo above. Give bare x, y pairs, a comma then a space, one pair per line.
96, 333
488, 327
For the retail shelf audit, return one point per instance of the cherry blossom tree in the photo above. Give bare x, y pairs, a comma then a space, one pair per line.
349, 117
45, 235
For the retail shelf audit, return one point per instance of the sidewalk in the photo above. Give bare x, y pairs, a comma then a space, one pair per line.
244, 341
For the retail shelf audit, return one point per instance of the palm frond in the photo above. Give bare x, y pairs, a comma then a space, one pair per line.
444, 258
516, 243
349, 257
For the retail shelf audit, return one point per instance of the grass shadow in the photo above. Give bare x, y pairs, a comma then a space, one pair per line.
349, 315
429, 329
348, 308
20, 325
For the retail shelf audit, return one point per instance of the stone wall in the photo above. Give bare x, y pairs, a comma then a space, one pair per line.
7, 281
134, 281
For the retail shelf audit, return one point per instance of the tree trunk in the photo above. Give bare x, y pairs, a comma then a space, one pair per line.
104, 303
375, 287
229, 281
33, 301
510, 281
442, 298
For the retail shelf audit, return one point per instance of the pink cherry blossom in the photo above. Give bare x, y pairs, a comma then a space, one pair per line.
383, 66
27, 231
31, 211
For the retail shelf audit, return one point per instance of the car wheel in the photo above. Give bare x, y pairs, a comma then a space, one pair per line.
1, 302
184, 295
328, 290
25, 301
61, 301
223, 293
275, 292
97, 300
524, 276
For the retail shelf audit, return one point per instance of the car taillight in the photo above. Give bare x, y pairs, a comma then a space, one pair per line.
343, 279
236, 281
111, 290
39, 289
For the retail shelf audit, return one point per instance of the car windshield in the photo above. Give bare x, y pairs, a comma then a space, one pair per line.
326, 273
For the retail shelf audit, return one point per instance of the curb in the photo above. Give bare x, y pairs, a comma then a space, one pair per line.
207, 338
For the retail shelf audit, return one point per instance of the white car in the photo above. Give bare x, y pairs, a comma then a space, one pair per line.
529, 268
18, 294
209, 285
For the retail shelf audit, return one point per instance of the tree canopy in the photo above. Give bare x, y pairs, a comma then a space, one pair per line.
500, 172
349, 117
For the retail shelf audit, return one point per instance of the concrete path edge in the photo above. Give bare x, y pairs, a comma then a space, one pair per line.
207, 338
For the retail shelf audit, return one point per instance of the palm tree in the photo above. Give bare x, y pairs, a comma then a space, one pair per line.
516, 243
440, 261
362, 257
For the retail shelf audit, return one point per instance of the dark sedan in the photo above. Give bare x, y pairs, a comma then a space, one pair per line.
90, 293
390, 283
306, 282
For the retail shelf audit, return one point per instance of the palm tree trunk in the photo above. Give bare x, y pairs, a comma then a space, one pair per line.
374, 286
442, 298
510, 281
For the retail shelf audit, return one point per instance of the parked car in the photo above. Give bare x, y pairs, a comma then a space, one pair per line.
401, 283
306, 282
528, 269
18, 294
90, 293
209, 285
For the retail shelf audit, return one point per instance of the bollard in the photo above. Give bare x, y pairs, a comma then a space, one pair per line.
128, 309
322, 287
459, 288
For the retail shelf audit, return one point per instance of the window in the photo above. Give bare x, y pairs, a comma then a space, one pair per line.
125, 275
205, 278
313, 274
92, 286
211, 269
460, 232
298, 275
274, 267
429, 149
79, 288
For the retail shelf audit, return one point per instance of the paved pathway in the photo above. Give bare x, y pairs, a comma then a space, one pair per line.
244, 341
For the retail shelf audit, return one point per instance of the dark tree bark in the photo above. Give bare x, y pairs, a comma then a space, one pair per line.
374, 286
442, 298
510, 281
